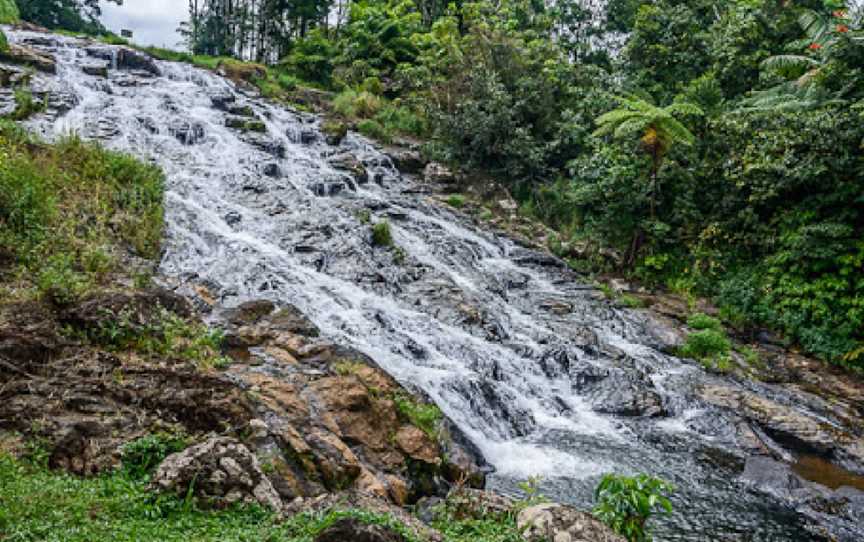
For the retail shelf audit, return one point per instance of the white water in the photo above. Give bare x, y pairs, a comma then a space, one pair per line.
460, 319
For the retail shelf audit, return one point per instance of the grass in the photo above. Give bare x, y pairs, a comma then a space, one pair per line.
68, 209
710, 347
425, 416
40, 505
26, 105
168, 336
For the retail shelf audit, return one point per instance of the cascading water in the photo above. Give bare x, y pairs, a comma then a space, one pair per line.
545, 377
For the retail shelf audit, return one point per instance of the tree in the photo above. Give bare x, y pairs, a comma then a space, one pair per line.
657, 128
74, 15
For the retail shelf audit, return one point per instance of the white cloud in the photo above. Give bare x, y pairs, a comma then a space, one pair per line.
154, 22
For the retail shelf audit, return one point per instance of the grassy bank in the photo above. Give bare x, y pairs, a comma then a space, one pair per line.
37, 504
70, 214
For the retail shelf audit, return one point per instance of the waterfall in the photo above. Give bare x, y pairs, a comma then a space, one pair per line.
545, 376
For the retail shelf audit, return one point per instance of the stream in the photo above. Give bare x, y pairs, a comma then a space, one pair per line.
542, 374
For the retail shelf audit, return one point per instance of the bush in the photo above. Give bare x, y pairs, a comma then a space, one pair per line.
456, 200
8, 14
381, 235
373, 129
141, 457
700, 321
705, 344
627, 504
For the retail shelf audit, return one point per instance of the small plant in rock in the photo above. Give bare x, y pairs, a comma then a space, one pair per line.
426, 417
626, 504
141, 457
531, 490
381, 235
456, 200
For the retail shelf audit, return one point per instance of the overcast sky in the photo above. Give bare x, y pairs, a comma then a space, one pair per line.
154, 22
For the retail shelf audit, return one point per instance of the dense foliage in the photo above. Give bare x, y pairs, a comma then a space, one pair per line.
74, 15
715, 145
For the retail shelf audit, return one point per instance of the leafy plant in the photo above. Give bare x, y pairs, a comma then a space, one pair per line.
627, 504
141, 457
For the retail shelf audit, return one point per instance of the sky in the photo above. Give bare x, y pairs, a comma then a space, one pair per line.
154, 22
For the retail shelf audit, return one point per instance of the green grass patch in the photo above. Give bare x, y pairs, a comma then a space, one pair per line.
26, 105
169, 335
67, 209
40, 505
700, 321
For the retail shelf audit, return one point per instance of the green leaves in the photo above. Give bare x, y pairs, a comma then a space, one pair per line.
626, 504
637, 116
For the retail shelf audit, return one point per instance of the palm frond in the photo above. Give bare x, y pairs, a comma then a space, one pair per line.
787, 63
684, 108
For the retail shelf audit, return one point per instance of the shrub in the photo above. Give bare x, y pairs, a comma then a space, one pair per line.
705, 344
141, 457
373, 129
381, 235
373, 85
456, 200
626, 504
700, 321
8, 13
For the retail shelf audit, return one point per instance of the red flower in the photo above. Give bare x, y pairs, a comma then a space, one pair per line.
815, 47
840, 14
842, 28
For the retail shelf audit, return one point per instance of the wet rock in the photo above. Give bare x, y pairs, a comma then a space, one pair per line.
353, 530
349, 163
776, 478
303, 136
624, 396
264, 144
233, 218
560, 523
250, 312
222, 470
95, 71
524, 256
787, 425
148, 124
272, 170
246, 125
126, 58
407, 160
223, 102
327, 189
240, 110
187, 132
20, 54
437, 173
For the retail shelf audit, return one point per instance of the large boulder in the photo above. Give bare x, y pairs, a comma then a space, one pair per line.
553, 522
220, 469
354, 530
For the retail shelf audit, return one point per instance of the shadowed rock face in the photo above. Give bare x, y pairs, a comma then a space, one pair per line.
357, 531
534, 368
